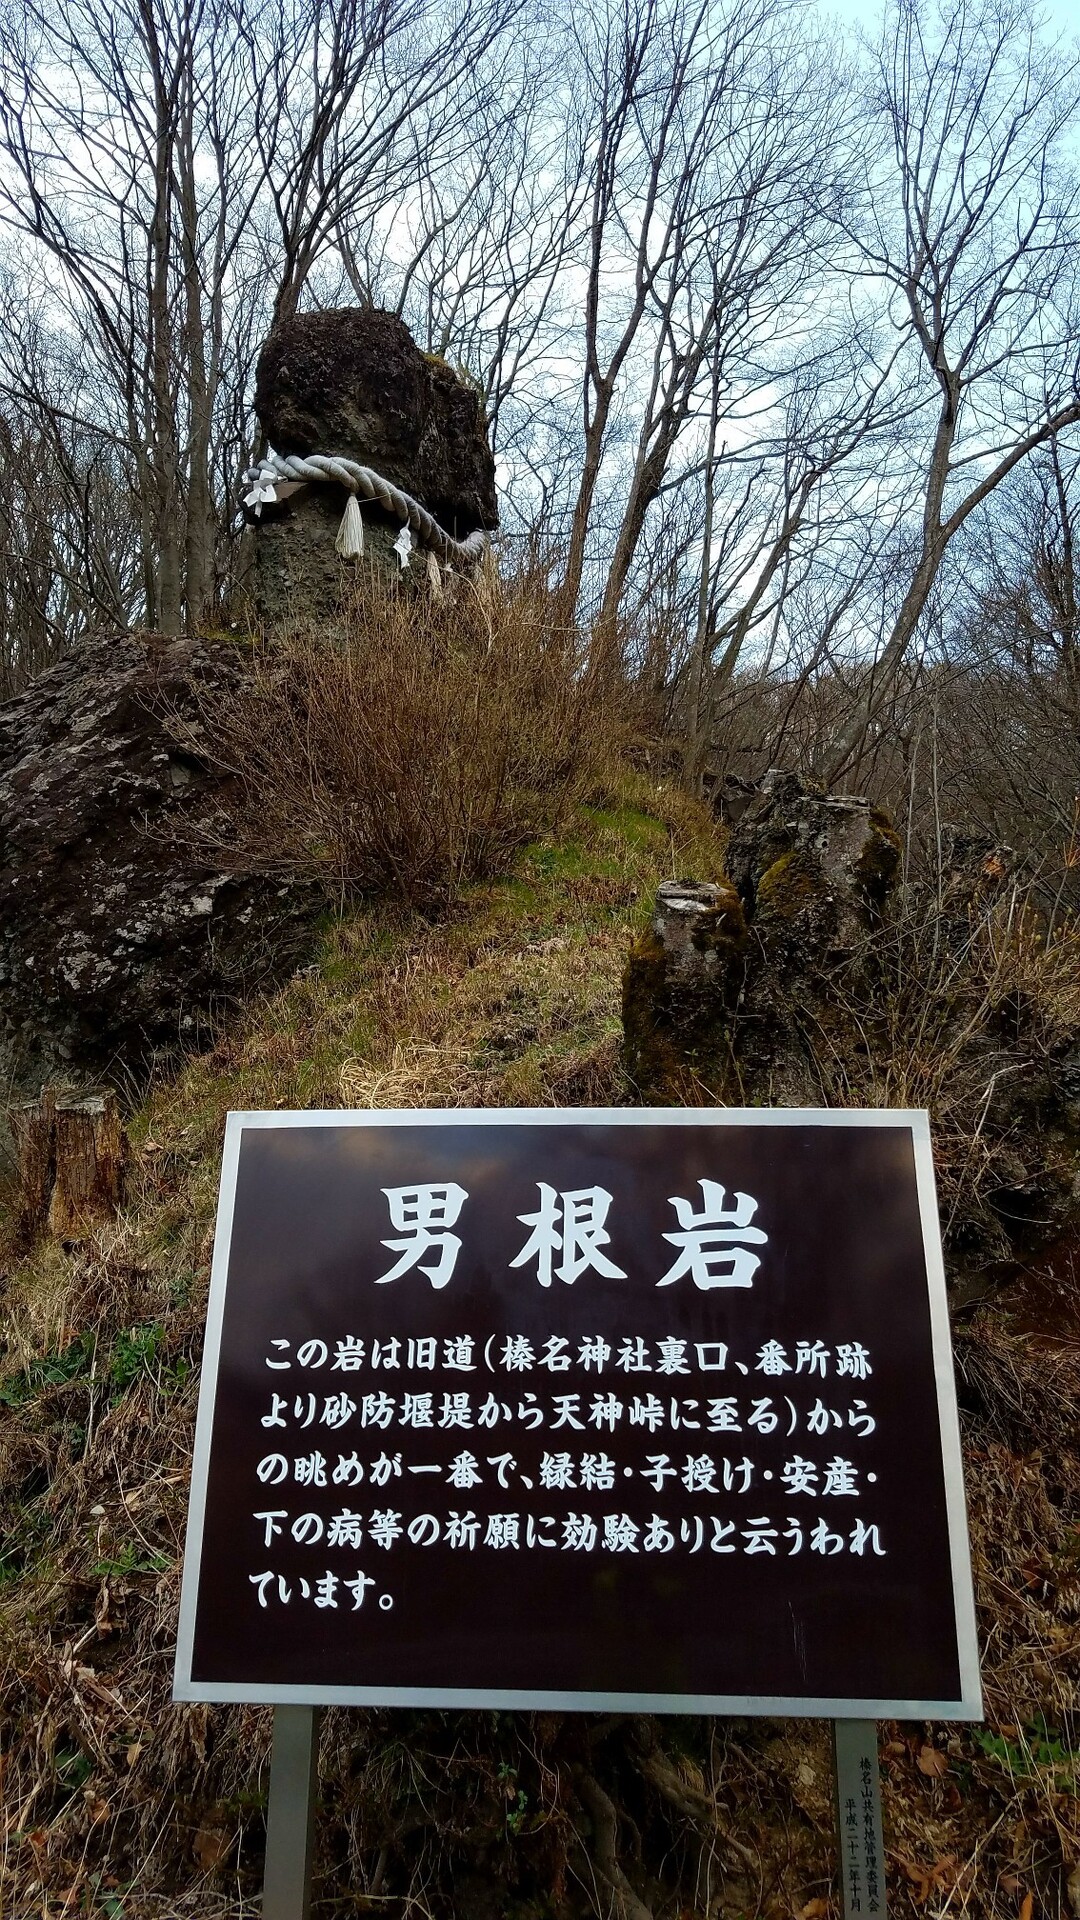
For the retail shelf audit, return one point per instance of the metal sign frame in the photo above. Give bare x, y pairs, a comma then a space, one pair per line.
968, 1706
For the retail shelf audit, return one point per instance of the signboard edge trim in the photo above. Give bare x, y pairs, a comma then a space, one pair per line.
204, 1419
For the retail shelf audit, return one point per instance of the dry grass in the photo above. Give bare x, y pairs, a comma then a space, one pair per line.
114, 1801
966, 1006
416, 751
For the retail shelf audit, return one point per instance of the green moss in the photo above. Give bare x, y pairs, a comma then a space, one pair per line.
629, 825
787, 887
677, 1043
568, 862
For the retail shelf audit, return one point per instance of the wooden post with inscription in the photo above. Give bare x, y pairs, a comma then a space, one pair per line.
628, 1410
858, 1819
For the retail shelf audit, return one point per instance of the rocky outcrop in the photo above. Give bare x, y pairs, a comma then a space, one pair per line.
119, 932
804, 979
681, 987
721, 987
353, 381
814, 870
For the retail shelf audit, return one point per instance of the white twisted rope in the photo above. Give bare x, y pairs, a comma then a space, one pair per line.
264, 478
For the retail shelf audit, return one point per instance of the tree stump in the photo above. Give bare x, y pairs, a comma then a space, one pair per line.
72, 1150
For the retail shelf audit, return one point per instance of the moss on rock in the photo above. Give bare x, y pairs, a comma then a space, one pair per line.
788, 887
677, 1000
722, 928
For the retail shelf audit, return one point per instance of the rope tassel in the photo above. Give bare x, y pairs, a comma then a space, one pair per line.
350, 540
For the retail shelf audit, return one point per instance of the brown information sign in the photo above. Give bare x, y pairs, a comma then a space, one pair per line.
640, 1409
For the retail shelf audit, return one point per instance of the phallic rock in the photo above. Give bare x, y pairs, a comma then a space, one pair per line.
118, 932
792, 984
353, 381
298, 579
679, 988
695, 923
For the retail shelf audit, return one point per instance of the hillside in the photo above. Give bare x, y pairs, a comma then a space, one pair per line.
117, 1803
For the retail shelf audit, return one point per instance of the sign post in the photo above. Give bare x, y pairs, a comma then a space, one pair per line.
290, 1814
619, 1410
858, 1812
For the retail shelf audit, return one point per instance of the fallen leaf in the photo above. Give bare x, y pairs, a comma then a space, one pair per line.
133, 1752
813, 1910
939, 1878
932, 1762
920, 1880
210, 1847
1028, 1907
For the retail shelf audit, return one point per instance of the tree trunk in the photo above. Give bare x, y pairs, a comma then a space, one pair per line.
566, 597
72, 1151
33, 1129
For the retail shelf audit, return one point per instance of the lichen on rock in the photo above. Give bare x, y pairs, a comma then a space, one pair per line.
722, 988
118, 934
827, 986
680, 984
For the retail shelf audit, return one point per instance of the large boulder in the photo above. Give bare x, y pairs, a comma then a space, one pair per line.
725, 983
813, 869
120, 932
353, 381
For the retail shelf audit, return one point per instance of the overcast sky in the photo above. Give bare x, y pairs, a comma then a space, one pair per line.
1060, 15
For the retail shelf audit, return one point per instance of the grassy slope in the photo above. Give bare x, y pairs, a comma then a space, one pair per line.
115, 1802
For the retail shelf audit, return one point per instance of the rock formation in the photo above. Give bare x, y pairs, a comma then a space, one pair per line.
72, 1152
120, 930
796, 982
352, 381
118, 933
719, 990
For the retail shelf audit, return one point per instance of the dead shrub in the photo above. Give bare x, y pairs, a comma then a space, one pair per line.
967, 1003
415, 753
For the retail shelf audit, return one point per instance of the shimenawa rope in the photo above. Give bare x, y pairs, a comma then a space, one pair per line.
264, 478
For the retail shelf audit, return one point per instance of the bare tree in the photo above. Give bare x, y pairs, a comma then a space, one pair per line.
178, 196
707, 148
473, 252
69, 540
970, 226
781, 528
1008, 742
